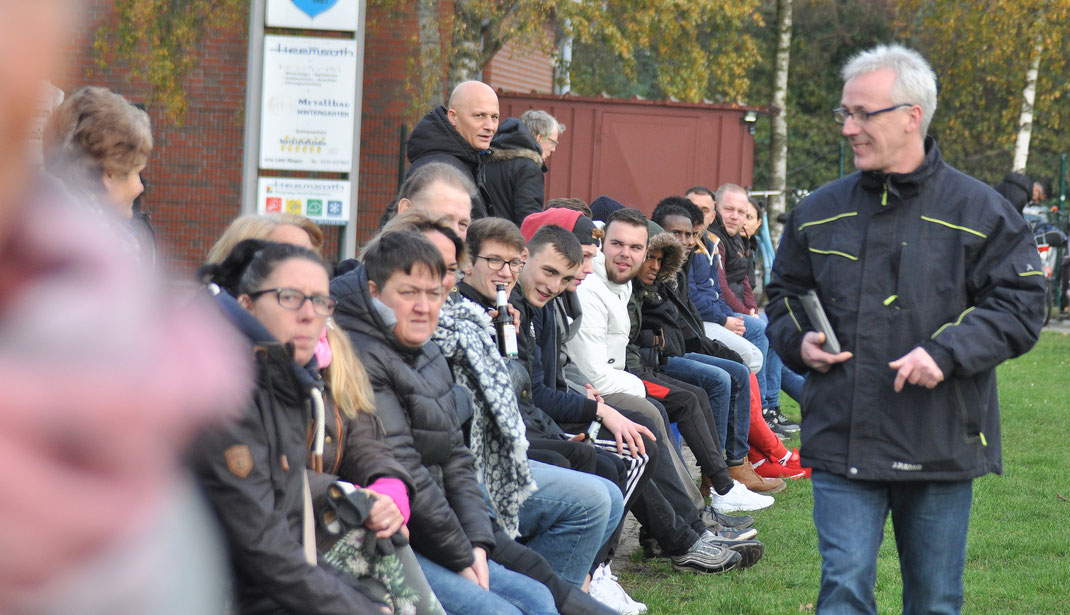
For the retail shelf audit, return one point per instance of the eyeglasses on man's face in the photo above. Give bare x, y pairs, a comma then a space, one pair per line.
293, 300
495, 263
842, 113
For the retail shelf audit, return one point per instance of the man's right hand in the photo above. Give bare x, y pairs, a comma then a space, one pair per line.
815, 357
735, 325
624, 430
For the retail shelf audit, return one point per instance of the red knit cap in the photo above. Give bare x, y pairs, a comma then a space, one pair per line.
569, 219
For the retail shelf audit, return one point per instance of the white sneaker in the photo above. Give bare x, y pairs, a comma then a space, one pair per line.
739, 499
605, 589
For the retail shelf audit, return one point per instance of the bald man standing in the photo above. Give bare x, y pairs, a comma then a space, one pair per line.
459, 135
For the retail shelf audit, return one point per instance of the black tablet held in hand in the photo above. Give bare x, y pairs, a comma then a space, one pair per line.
820, 321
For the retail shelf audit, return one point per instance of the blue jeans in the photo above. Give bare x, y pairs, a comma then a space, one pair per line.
511, 593
791, 383
930, 521
569, 517
727, 384
787, 380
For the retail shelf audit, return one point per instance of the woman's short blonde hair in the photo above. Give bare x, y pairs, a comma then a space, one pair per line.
258, 226
93, 132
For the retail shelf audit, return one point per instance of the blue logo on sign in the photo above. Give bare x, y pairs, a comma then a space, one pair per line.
334, 208
314, 7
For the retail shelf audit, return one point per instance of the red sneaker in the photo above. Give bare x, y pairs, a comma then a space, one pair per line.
772, 468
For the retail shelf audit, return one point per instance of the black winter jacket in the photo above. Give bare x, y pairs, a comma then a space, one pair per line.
252, 471
415, 402
931, 258
434, 139
515, 183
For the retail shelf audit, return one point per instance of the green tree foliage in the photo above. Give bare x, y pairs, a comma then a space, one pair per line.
981, 52
685, 50
160, 40
827, 32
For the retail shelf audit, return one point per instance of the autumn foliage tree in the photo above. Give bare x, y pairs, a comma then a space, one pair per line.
160, 41
982, 52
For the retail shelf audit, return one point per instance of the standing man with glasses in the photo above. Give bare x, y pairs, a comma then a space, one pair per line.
929, 280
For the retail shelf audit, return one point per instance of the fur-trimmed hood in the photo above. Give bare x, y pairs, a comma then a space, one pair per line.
672, 255
514, 140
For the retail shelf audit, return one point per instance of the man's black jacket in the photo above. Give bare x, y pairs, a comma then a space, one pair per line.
514, 172
931, 259
434, 139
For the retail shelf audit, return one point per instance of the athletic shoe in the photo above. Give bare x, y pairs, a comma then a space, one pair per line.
779, 432
605, 589
740, 499
750, 551
711, 516
778, 468
745, 474
773, 416
706, 557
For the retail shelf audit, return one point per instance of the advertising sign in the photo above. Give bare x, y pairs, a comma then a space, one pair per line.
313, 14
324, 201
307, 110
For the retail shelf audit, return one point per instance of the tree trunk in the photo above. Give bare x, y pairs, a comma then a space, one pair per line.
1025, 119
779, 140
468, 54
432, 86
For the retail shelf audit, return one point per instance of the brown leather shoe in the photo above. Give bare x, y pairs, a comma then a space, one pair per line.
750, 479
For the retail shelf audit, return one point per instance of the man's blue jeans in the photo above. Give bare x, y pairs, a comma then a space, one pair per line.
727, 384
930, 519
569, 517
784, 379
511, 593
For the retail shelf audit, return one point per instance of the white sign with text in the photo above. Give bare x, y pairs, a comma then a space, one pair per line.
307, 110
324, 201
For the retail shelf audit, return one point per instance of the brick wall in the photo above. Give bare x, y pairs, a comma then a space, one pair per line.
193, 177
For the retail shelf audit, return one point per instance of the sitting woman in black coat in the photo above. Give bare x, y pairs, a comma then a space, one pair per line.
390, 307
252, 469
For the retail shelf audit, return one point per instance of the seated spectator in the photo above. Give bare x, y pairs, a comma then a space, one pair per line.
569, 203
440, 190
706, 290
245, 467
735, 486
790, 382
390, 308
347, 440
599, 350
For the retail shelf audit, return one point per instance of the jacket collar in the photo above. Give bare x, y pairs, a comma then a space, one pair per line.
600, 272
905, 185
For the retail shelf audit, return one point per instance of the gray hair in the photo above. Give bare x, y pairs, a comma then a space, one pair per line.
915, 80
432, 173
540, 123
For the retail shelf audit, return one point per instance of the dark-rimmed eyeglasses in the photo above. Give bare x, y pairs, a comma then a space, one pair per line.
842, 113
293, 300
495, 263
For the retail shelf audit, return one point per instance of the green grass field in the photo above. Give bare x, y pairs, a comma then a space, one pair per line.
1018, 553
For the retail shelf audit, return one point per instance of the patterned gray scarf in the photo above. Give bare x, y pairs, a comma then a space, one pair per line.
497, 436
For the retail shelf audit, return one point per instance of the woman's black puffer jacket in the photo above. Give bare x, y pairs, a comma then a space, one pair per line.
414, 400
